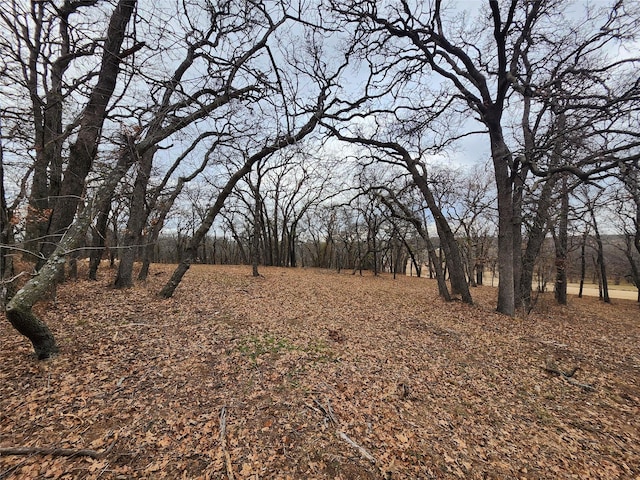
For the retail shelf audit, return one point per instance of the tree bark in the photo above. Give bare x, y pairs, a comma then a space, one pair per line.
83, 151
562, 245
502, 158
137, 218
19, 309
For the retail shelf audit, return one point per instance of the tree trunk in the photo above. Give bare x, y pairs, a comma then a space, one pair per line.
448, 241
583, 263
562, 245
137, 218
83, 151
602, 266
506, 238
98, 241
537, 234
602, 270
635, 271
19, 308
255, 239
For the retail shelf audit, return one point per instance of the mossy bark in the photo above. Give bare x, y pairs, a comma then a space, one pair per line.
19, 308
29, 325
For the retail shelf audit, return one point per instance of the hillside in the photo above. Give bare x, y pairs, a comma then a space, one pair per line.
310, 374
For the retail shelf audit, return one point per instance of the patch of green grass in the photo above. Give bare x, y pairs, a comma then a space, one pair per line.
255, 346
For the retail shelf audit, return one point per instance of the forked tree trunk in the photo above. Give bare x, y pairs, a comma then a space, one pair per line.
83, 151
19, 309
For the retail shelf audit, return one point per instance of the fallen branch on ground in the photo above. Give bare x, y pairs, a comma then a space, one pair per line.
551, 367
363, 451
223, 442
56, 452
326, 411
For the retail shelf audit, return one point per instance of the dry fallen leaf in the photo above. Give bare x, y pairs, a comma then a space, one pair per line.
429, 389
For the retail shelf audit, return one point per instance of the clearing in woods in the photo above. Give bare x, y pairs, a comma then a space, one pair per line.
310, 374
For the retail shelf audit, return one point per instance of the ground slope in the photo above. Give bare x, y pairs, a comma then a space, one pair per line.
309, 374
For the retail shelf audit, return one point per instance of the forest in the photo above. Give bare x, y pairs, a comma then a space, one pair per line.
187, 188
345, 135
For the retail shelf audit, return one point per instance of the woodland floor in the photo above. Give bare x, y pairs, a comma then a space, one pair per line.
299, 363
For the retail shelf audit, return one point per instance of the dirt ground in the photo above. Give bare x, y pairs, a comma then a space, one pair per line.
311, 374
592, 291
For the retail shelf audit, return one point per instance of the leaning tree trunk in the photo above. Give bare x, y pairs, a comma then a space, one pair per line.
447, 240
19, 309
214, 210
192, 249
83, 151
433, 256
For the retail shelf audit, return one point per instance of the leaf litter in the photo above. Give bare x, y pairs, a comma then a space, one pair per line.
313, 374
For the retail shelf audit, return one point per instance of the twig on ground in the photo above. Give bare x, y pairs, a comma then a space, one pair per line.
363, 451
326, 411
223, 442
9, 470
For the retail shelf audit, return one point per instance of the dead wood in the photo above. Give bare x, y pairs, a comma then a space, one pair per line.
56, 452
361, 450
223, 442
327, 411
551, 367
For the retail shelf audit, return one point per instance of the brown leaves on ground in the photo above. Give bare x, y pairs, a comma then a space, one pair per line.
320, 375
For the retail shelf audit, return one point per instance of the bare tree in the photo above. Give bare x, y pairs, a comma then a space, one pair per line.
279, 143
228, 49
487, 66
19, 309
54, 198
396, 154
